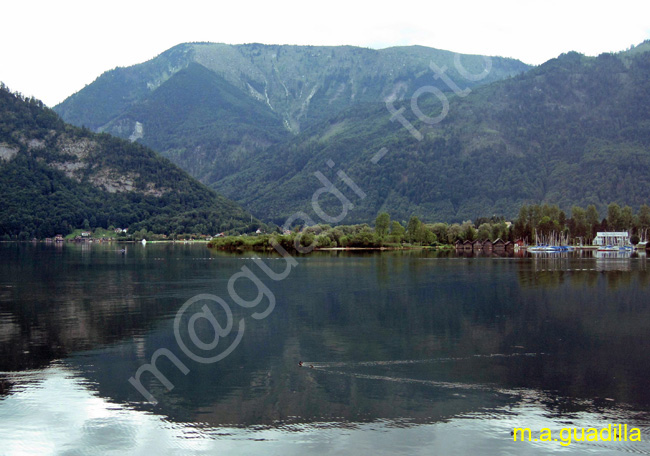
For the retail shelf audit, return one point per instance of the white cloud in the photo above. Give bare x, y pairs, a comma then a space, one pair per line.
57, 47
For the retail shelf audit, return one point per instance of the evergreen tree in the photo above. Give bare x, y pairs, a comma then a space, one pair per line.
644, 217
579, 222
627, 218
614, 217
592, 218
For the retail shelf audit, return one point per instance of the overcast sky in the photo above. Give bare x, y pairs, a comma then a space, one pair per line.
51, 49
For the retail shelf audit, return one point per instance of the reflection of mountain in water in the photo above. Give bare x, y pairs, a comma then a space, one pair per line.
57, 299
71, 417
423, 337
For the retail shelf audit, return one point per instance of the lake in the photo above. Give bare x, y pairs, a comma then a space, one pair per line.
403, 352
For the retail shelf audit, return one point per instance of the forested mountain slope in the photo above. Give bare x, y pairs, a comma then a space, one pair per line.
211, 108
575, 130
54, 177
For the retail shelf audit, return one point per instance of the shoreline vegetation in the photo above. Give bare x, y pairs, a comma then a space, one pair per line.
384, 236
291, 242
533, 220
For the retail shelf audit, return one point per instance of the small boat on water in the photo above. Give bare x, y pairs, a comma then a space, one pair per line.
613, 241
551, 248
615, 248
144, 242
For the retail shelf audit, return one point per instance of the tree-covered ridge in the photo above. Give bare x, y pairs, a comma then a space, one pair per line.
296, 82
211, 108
54, 177
202, 123
575, 130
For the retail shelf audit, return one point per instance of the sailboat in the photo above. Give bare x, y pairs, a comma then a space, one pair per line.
551, 243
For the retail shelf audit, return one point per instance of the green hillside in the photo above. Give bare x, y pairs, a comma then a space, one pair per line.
55, 177
256, 122
210, 107
202, 123
575, 130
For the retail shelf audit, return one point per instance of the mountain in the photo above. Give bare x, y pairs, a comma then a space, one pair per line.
575, 130
195, 113
211, 108
55, 177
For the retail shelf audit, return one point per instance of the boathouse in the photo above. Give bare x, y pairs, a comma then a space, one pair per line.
499, 245
612, 238
487, 245
477, 245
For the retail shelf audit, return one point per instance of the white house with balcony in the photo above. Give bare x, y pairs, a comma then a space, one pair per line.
618, 238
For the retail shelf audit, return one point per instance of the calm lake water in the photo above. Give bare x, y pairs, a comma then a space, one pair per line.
412, 353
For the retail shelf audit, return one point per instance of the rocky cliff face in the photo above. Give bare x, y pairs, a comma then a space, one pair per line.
80, 159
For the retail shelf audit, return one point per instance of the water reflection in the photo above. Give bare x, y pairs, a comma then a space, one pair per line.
38, 424
406, 344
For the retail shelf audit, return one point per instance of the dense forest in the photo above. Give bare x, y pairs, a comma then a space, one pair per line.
55, 177
572, 131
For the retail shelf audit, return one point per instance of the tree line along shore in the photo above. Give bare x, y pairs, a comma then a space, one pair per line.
579, 228
533, 220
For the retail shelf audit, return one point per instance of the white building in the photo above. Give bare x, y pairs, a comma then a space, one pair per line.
612, 238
